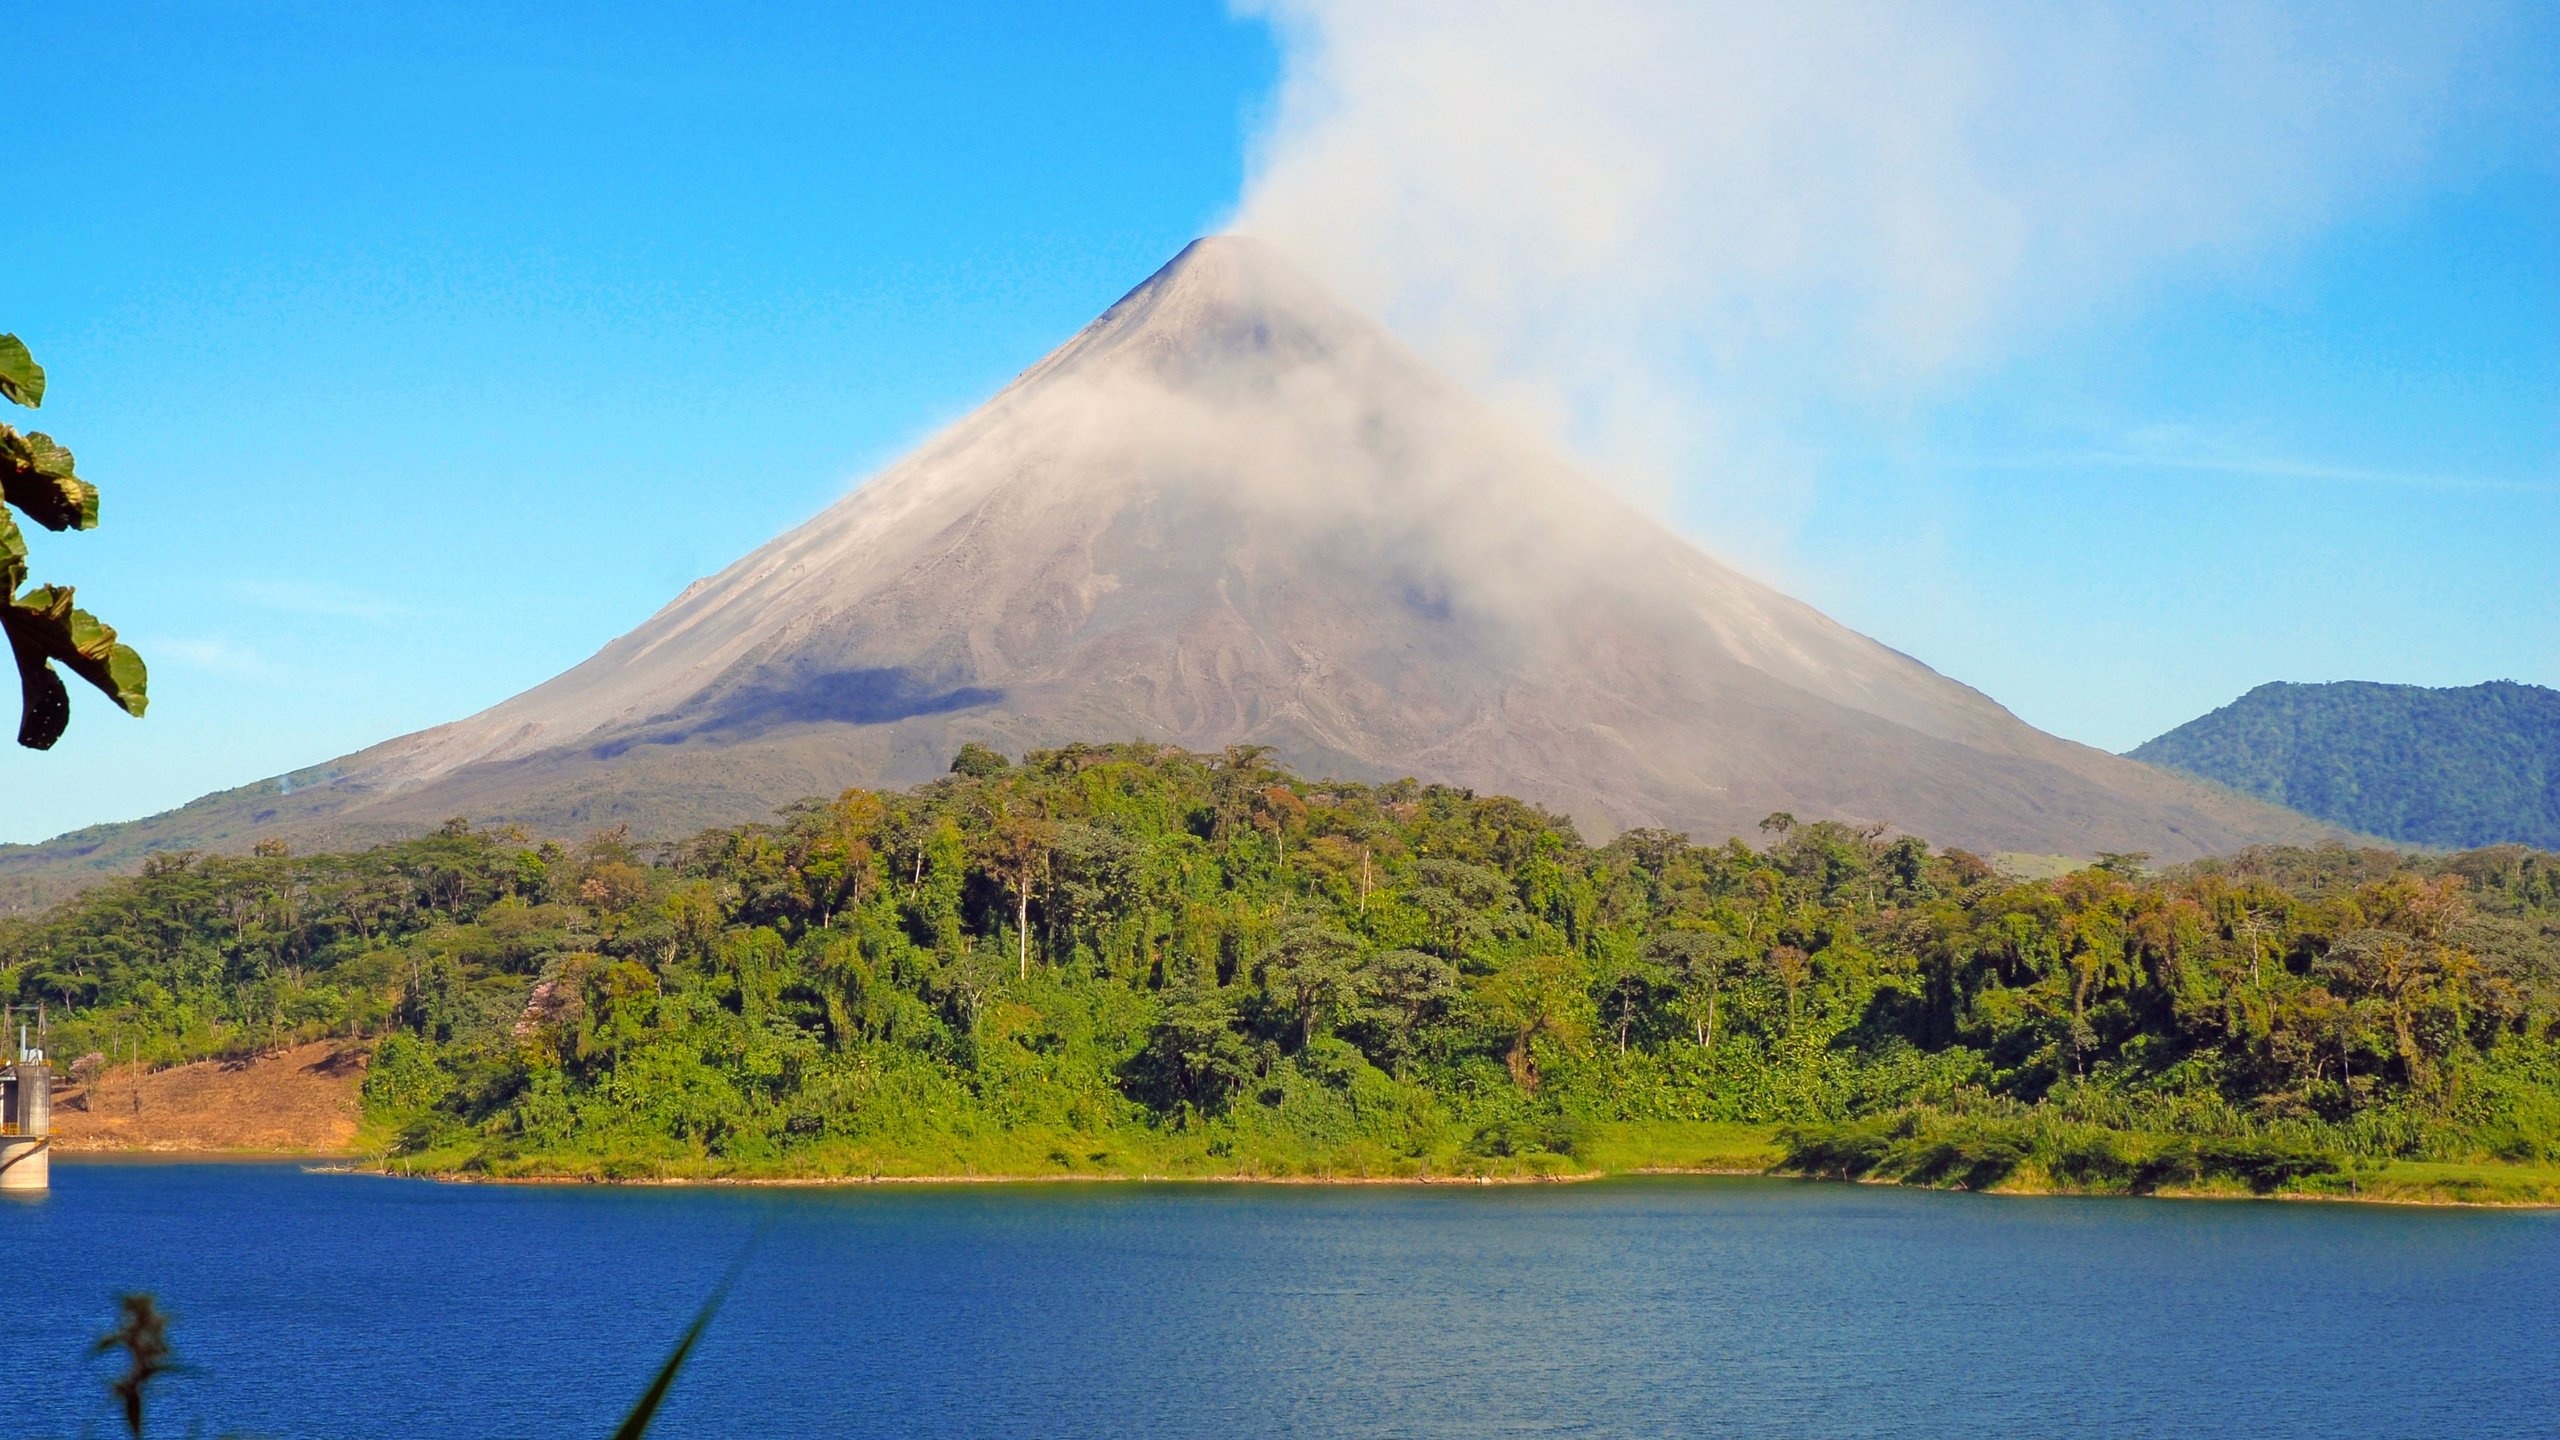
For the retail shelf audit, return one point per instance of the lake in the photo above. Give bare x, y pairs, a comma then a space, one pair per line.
332, 1305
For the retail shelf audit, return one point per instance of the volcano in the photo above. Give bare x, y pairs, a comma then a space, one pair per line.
1233, 510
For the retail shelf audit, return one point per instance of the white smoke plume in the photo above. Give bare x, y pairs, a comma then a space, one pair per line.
1678, 235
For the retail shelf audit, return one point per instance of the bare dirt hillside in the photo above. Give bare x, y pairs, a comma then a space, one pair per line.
301, 1101
1232, 510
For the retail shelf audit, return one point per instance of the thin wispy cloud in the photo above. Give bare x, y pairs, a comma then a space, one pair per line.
213, 654
2211, 459
2269, 467
320, 597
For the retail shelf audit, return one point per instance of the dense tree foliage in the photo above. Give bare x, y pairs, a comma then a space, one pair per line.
1106, 949
2473, 766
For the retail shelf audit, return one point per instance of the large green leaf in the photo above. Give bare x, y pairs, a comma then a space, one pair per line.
36, 476
21, 378
44, 704
44, 629
37, 479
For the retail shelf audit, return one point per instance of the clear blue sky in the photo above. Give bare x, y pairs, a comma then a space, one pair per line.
2340, 464
419, 350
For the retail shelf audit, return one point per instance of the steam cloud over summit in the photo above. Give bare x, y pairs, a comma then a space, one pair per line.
1233, 510
1681, 233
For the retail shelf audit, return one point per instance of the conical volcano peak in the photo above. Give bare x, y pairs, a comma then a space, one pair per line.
1233, 510
1231, 276
1224, 297
1226, 262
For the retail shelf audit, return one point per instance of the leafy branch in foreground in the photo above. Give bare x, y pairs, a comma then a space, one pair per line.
143, 1334
636, 1424
39, 479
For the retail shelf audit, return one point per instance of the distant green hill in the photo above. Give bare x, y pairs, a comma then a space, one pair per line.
2458, 767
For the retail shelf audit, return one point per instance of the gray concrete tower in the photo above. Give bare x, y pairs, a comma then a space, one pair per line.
26, 1105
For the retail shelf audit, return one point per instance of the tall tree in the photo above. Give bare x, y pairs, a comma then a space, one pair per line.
1016, 854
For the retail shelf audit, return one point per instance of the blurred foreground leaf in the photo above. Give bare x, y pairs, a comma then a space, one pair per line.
636, 1423
143, 1334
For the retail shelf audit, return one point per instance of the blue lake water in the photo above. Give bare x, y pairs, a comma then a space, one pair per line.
325, 1305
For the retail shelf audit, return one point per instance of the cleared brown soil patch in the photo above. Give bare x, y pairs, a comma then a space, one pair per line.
297, 1101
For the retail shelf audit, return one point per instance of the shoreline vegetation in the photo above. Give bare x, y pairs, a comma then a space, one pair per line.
1128, 961
1640, 1151
1616, 1152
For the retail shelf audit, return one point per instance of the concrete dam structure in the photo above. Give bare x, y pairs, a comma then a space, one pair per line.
26, 1107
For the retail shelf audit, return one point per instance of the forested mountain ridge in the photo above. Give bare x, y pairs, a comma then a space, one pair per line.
1137, 956
2476, 765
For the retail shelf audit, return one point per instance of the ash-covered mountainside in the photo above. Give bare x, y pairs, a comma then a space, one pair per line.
1232, 510
2461, 767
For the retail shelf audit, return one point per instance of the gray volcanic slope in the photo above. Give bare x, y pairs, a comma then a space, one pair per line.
1232, 510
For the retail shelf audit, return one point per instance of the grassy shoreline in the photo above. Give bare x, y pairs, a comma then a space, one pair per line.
1605, 1151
